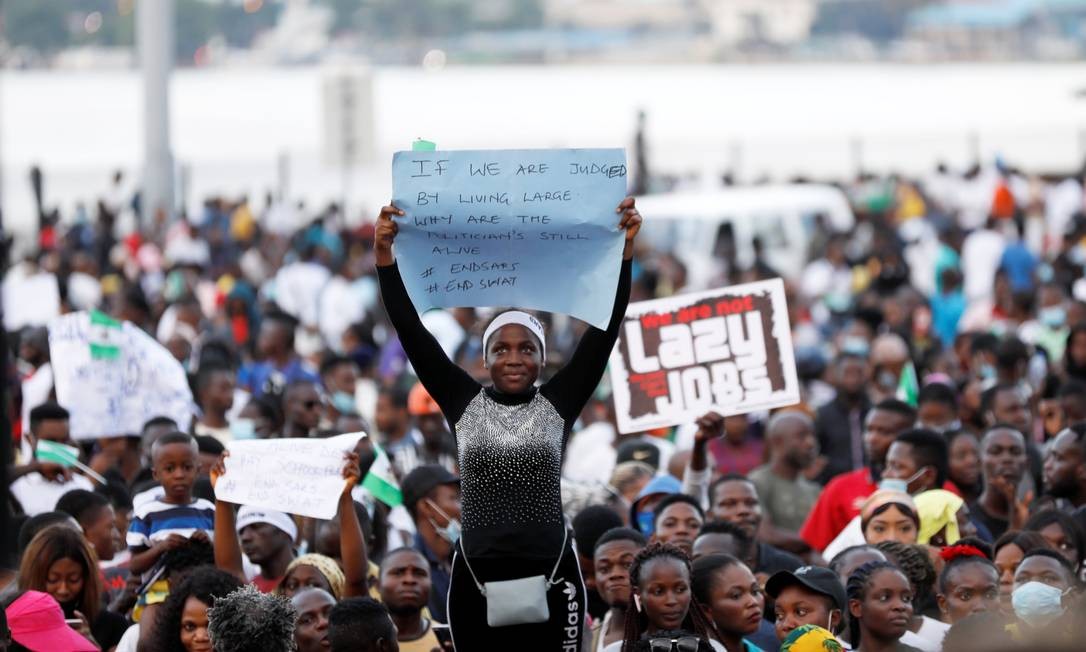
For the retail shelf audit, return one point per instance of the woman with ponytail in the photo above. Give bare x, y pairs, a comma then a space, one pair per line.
880, 603
664, 609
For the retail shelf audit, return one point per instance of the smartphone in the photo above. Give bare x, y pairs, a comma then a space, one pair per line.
73, 622
444, 636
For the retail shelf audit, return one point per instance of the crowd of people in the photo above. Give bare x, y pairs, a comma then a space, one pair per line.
877, 514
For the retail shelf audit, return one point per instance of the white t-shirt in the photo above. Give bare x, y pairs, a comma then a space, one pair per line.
929, 637
130, 640
38, 495
617, 647
982, 252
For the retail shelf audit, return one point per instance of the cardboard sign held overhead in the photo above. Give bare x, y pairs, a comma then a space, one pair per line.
533, 229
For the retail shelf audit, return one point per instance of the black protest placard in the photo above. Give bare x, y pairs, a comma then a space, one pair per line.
727, 350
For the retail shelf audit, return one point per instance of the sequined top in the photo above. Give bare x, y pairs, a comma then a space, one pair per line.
509, 447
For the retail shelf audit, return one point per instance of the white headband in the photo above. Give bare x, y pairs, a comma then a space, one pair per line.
520, 318
248, 515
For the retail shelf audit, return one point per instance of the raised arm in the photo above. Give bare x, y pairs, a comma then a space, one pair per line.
574, 383
697, 475
227, 546
352, 545
447, 383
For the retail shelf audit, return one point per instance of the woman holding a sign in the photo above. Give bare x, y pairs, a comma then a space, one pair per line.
516, 583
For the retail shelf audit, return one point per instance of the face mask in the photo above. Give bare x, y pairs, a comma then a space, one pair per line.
243, 429
951, 426
645, 523
987, 372
1053, 316
344, 403
855, 345
1037, 604
451, 531
896, 484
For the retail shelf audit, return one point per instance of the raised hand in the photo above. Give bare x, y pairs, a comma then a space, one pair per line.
385, 234
351, 472
631, 222
219, 468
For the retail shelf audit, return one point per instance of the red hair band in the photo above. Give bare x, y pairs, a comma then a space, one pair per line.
950, 553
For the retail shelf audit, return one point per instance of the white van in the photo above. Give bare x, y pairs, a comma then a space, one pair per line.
691, 224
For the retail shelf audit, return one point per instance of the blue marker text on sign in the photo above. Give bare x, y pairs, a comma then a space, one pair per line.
512, 228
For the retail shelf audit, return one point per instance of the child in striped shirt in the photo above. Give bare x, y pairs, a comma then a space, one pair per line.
168, 522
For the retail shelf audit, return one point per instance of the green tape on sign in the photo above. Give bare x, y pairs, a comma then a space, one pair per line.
104, 351
99, 318
421, 145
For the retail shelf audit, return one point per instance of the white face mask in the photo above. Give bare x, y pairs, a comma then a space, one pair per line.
451, 531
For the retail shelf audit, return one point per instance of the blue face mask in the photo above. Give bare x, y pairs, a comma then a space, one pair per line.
894, 484
1037, 604
987, 371
646, 523
1053, 316
897, 484
243, 429
344, 403
855, 345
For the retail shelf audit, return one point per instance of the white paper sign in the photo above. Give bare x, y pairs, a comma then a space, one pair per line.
30, 300
114, 378
296, 476
728, 350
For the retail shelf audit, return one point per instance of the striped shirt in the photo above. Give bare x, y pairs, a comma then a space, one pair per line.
155, 521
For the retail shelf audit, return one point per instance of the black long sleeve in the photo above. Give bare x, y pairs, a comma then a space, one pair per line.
574, 383
447, 383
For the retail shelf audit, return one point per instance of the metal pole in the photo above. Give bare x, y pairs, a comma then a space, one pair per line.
155, 35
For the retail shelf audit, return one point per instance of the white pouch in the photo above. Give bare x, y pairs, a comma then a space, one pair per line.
520, 601
516, 602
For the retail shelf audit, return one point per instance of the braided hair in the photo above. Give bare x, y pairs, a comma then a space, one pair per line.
637, 620
857, 590
914, 562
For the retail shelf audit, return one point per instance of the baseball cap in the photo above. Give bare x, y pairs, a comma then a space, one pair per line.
814, 578
249, 515
420, 403
639, 450
37, 623
422, 480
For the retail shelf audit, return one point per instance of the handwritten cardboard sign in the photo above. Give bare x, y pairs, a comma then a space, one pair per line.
112, 377
296, 476
728, 350
512, 228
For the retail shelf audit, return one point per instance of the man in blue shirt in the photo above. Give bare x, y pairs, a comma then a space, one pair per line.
280, 365
1018, 262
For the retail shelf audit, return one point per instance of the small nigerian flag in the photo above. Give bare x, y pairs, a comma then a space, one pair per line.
908, 388
62, 454
381, 482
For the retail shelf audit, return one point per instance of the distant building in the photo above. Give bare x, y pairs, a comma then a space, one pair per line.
1001, 28
729, 24
666, 15
736, 23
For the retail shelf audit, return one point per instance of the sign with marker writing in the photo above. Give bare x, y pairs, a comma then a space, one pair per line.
112, 377
727, 350
297, 476
520, 228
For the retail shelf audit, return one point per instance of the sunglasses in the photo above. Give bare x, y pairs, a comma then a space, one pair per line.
684, 644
